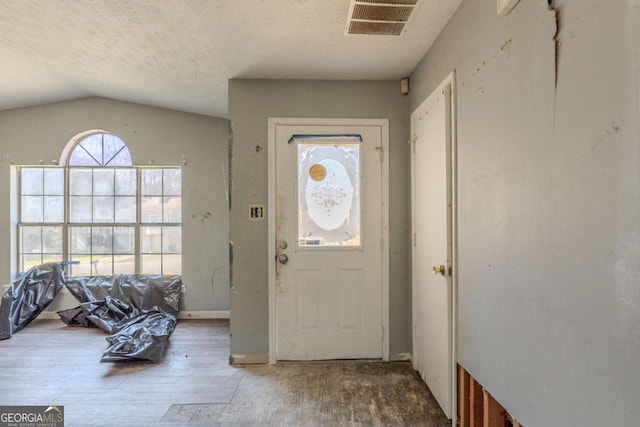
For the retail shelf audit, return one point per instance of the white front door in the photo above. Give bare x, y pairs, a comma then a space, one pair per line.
328, 241
432, 244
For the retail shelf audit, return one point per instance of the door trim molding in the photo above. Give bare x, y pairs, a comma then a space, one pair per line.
450, 81
273, 123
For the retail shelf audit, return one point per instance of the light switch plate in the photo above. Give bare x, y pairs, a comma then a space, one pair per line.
505, 6
256, 212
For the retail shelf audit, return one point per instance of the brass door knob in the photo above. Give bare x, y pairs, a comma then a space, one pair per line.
440, 270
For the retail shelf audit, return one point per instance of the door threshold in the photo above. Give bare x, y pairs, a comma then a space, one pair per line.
331, 361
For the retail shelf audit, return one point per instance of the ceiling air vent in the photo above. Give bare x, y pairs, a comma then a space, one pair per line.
379, 17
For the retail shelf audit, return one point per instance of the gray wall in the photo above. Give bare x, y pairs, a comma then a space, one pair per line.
549, 203
251, 103
161, 136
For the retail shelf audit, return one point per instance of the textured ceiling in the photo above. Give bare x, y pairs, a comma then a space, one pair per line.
180, 54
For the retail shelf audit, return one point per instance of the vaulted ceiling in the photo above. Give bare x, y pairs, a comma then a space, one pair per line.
180, 54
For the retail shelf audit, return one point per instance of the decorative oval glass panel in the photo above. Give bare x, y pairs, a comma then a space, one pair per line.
329, 193
329, 199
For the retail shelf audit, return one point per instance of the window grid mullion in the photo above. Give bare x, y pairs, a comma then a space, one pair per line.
92, 198
91, 240
19, 183
113, 228
93, 223
42, 237
67, 218
113, 247
138, 233
162, 222
161, 249
113, 195
20, 193
42, 199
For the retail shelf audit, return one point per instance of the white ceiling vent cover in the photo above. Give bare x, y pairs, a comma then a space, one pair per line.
379, 17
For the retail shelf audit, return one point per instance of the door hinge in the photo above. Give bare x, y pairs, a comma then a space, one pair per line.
415, 239
381, 150
381, 245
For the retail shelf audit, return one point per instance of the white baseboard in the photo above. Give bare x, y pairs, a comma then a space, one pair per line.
400, 357
204, 315
249, 359
263, 359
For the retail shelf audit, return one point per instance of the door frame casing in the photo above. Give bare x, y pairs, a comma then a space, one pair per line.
452, 168
273, 123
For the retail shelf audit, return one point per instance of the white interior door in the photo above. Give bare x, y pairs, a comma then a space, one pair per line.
328, 242
432, 245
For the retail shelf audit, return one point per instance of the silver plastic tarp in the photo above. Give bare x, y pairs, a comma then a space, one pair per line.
28, 296
138, 311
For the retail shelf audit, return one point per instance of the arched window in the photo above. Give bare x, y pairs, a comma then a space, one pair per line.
96, 148
100, 210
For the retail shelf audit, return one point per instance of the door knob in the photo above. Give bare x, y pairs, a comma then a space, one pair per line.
440, 270
283, 259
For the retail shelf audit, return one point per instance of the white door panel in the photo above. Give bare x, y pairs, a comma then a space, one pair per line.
432, 228
329, 226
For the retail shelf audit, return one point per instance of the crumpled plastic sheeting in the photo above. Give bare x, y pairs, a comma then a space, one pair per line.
143, 291
142, 338
104, 314
29, 296
139, 311
75, 317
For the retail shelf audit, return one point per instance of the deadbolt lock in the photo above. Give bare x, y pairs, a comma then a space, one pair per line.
283, 245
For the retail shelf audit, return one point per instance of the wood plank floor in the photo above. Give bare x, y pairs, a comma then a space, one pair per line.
48, 363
